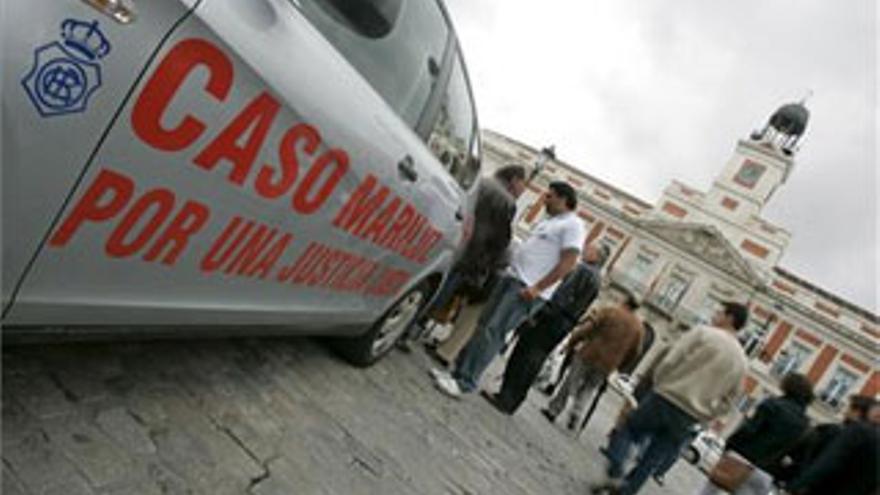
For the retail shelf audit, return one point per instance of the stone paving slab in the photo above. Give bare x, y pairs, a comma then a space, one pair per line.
274, 416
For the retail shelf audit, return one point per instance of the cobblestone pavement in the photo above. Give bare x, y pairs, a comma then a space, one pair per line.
273, 416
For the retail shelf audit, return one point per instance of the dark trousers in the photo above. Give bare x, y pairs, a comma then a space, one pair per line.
536, 341
657, 423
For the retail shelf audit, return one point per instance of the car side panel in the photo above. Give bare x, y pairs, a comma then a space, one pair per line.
51, 127
175, 201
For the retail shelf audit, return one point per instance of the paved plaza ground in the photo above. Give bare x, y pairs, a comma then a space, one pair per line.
274, 416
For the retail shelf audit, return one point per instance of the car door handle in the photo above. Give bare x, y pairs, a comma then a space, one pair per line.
407, 169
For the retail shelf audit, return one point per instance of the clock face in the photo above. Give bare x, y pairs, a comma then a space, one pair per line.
749, 174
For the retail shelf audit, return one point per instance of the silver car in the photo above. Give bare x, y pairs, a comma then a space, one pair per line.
209, 167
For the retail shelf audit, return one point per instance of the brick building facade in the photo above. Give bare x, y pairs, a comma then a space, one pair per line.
692, 249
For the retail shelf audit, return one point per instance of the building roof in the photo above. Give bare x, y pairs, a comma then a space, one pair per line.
636, 200
782, 272
858, 310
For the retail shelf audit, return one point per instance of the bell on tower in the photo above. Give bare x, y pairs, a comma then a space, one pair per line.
785, 127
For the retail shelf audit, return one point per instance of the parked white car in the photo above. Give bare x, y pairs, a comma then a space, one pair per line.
208, 167
704, 451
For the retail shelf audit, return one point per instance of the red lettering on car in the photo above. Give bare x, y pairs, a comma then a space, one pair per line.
104, 198
180, 62
271, 189
253, 122
161, 201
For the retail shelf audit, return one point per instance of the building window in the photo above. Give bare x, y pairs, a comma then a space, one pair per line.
752, 338
729, 203
791, 359
838, 387
640, 269
749, 174
674, 210
671, 292
754, 248
708, 309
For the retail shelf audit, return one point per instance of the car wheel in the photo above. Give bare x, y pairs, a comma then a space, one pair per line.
380, 338
691, 455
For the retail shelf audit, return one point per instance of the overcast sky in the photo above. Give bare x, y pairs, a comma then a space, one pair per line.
640, 92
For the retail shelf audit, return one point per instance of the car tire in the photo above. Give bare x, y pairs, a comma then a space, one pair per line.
691, 455
366, 349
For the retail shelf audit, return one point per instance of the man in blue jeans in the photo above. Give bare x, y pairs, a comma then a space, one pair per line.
536, 267
696, 381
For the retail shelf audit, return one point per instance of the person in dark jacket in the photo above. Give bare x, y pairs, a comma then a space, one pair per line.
540, 335
776, 426
850, 465
818, 439
486, 251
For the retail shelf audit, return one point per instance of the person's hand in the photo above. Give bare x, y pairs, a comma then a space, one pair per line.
529, 293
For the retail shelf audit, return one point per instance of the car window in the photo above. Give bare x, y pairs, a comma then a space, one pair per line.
453, 136
397, 45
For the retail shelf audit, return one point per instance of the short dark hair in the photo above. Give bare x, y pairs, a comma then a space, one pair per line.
738, 312
797, 387
510, 172
861, 403
630, 300
564, 190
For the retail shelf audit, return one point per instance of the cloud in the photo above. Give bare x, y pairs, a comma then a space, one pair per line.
642, 92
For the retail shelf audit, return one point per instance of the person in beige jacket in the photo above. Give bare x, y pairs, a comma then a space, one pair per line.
697, 381
608, 340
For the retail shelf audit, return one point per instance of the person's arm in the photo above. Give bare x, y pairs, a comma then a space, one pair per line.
568, 259
632, 356
751, 426
727, 401
583, 331
649, 372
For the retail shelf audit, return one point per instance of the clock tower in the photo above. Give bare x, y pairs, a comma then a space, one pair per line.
759, 165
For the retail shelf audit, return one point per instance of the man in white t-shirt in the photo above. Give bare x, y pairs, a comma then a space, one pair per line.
536, 267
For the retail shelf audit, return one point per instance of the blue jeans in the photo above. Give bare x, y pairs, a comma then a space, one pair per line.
448, 289
505, 310
659, 423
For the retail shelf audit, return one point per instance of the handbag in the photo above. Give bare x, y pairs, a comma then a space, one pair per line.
730, 472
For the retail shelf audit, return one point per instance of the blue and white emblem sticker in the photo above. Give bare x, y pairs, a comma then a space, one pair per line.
64, 76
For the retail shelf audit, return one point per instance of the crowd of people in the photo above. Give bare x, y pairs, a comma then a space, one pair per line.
539, 294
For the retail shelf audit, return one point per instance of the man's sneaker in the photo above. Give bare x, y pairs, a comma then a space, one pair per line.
572, 423
439, 373
493, 399
448, 386
403, 345
549, 415
660, 479
609, 486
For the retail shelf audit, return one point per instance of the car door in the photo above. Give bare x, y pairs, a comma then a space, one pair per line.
67, 68
241, 184
408, 52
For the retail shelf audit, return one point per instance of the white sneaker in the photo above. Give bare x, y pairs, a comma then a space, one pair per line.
448, 386
439, 373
